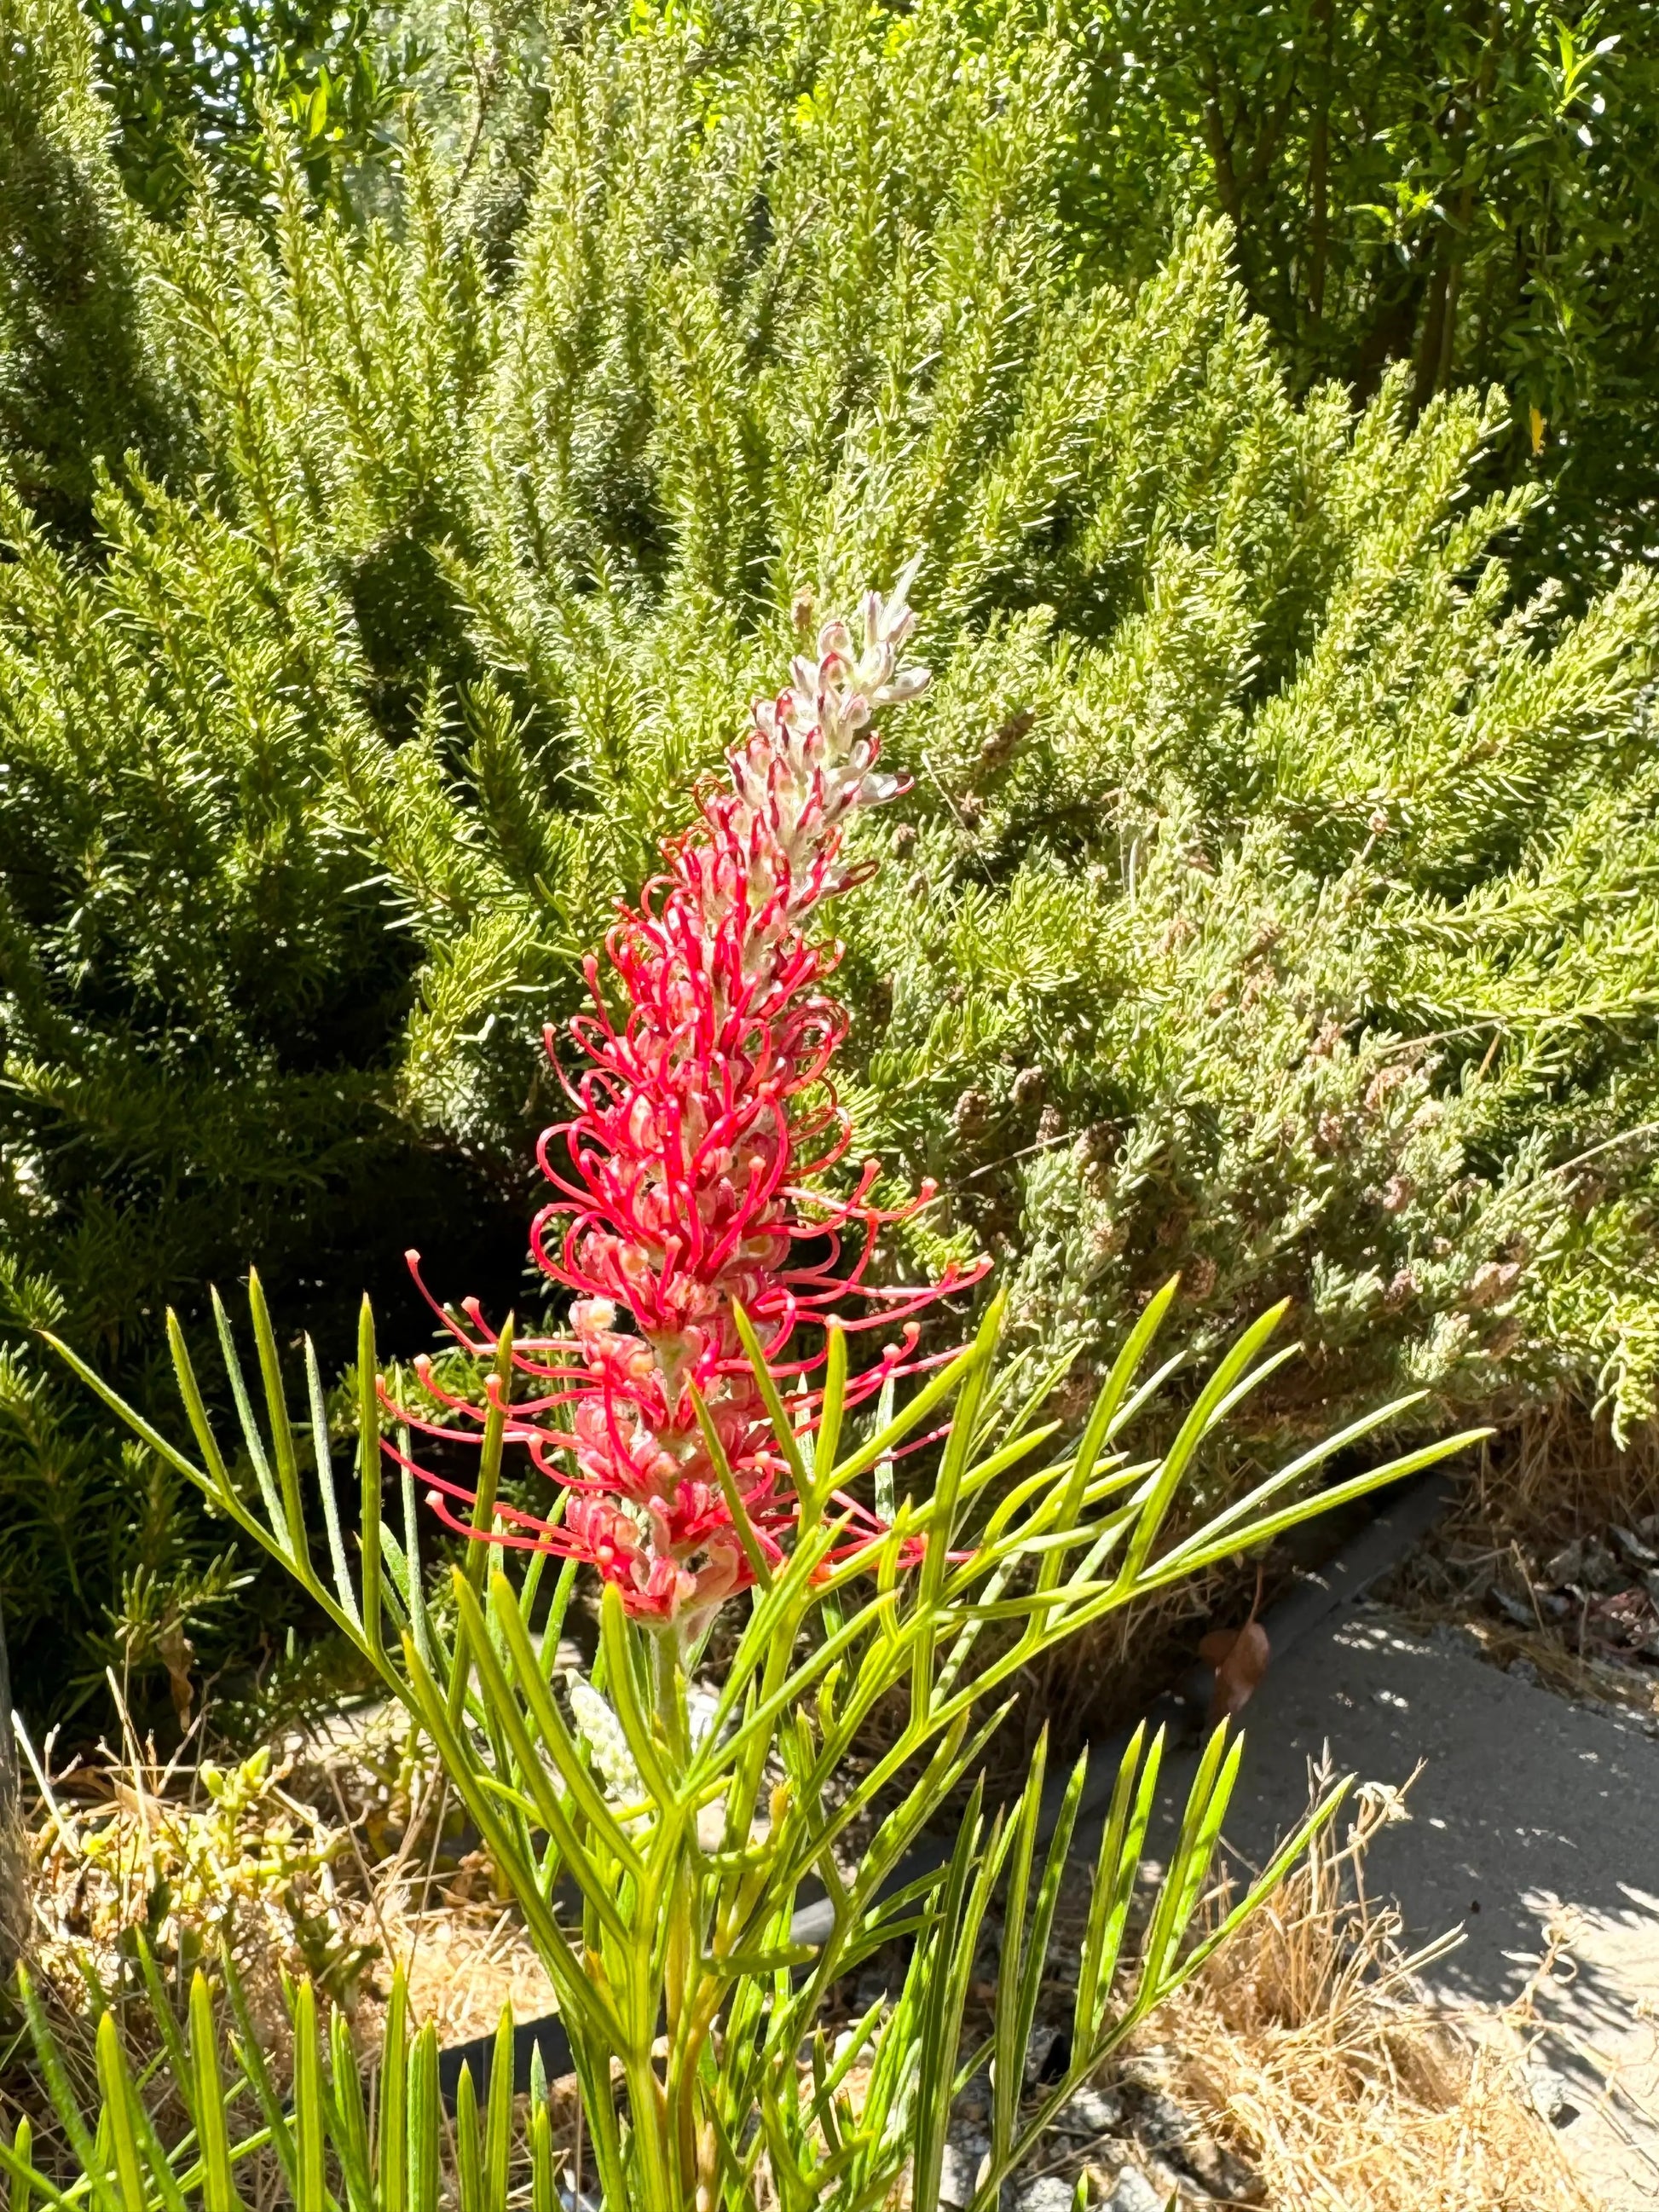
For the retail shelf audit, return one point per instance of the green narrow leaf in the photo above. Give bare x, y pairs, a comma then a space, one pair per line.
1303, 1464
557, 1738
833, 1406
368, 1477
551, 1729
1135, 1347
756, 1730
391, 2174
94, 2160
1185, 1872
961, 1915
953, 1461
782, 1427
469, 2169
115, 2087
1042, 1915
324, 1459
1116, 1869
563, 1590
169, 1453
251, 1439
775, 1619
397, 1567
542, 2193
593, 2065
129, 2126
166, 2020
938, 1387
533, 1576
281, 1428
577, 1994
1144, 1393
28, 2185
734, 1504
483, 1508
1192, 1432
941, 1524
424, 2174
490, 1456
17, 2165
310, 2123
212, 2132
614, 1631
348, 2121
251, 2055
1207, 1838
1253, 1533
498, 2116
1037, 1484
1007, 2072
884, 1506
1098, 1429
196, 1411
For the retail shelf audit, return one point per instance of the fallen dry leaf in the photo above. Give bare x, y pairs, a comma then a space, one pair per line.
1239, 1656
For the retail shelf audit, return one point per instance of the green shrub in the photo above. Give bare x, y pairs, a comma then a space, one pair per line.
185, 81
794, 1675
1279, 904
1471, 191
81, 379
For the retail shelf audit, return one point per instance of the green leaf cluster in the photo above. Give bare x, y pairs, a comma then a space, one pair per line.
185, 82
685, 1972
344, 2139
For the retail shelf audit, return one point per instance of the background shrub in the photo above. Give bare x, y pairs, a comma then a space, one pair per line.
185, 83
1472, 190
1277, 898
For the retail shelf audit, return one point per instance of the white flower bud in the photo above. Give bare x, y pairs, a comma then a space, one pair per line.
602, 1736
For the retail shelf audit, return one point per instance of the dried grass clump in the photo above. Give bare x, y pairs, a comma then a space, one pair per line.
1558, 1472
197, 1857
1495, 1570
1308, 2046
465, 1955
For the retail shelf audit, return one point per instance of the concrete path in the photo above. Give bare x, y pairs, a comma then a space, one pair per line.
1533, 1816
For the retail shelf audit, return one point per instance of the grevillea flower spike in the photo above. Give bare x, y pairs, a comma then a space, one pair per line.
685, 1181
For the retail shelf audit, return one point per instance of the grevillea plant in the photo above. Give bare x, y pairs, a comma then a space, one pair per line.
682, 1851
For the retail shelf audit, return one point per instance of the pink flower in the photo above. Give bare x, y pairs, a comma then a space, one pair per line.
686, 1180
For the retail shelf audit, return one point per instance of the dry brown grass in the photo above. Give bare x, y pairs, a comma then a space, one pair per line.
201, 1858
1556, 1473
1308, 2047
465, 1955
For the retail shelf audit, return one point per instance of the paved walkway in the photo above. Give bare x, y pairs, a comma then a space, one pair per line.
1532, 1814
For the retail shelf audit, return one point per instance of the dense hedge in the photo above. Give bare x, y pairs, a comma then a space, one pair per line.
1276, 901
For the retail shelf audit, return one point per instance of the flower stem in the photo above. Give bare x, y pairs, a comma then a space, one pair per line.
672, 1713
675, 2117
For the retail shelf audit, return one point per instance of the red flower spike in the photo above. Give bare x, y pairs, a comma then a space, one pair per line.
681, 1179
